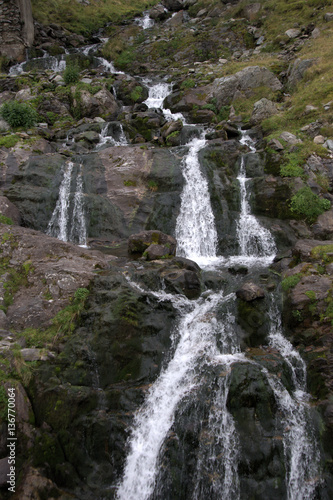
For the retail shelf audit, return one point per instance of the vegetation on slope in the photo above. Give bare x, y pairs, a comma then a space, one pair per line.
86, 19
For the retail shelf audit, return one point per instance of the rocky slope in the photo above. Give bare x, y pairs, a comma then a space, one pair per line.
81, 344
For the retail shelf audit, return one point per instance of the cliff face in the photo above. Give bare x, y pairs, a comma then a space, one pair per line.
16, 28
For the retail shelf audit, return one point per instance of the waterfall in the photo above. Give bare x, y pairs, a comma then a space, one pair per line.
67, 222
203, 338
157, 93
196, 345
58, 225
104, 138
195, 229
145, 21
78, 231
300, 445
223, 441
254, 240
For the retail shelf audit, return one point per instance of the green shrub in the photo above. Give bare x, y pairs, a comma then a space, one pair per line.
136, 94
71, 74
9, 141
188, 84
290, 281
18, 114
5, 220
308, 205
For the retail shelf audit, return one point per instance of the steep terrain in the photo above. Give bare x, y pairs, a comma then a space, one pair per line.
88, 155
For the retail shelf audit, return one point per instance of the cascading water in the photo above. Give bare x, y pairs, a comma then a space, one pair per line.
300, 445
105, 139
157, 93
202, 339
254, 240
195, 229
145, 21
195, 340
67, 222
58, 225
78, 231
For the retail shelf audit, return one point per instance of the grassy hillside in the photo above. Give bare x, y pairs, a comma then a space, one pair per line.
86, 19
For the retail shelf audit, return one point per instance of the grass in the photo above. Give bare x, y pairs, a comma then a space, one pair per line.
86, 19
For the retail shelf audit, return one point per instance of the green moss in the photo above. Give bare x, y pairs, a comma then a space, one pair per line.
136, 94
323, 252
130, 183
9, 141
5, 220
291, 281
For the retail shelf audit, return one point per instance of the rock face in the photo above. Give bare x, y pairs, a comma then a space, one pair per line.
153, 244
224, 89
50, 269
16, 28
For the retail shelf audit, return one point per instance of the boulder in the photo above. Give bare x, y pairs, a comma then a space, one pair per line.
297, 70
156, 251
224, 89
51, 268
293, 33
129, 90
303, 248
323, 227
308, 289
8, 209
102, 103
263, 109
290, 138
249, 292
173, 5
140, 242
158, 13
170, 127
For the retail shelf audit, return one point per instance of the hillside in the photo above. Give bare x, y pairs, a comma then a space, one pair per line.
127, 129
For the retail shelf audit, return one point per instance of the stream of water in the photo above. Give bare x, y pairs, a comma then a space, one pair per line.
68, 222
202, 338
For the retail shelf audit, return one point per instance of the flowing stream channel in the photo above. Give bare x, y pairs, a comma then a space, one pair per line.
204, 339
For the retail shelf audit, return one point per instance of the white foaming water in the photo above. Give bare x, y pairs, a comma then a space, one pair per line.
285, 348
196, 345
223, 438
61, 225
58, 225
156, 96
300, 446
254, 240
53, 63
78, 233
104, 138
195, 229
145, 21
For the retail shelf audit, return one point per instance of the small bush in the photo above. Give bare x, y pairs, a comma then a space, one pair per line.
308, 205
136, 94
5, 220
18, 114
291, 281
9, 141
71, 74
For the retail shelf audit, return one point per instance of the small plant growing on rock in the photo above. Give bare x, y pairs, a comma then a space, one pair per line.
18, 114
71, 74
308, 205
